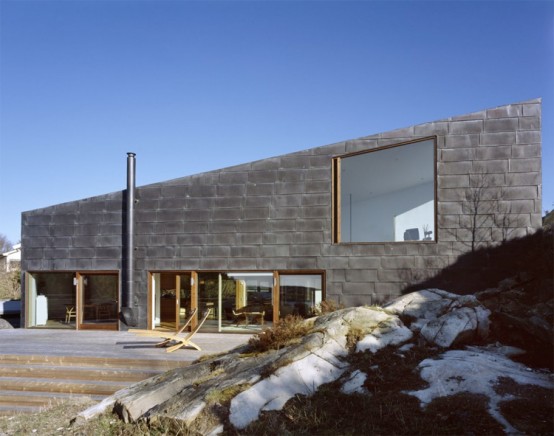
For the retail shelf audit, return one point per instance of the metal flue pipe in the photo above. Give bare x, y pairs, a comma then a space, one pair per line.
128, 306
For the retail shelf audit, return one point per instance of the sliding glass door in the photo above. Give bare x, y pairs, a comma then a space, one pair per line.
51, 300
171, 299
98, 301
238, 301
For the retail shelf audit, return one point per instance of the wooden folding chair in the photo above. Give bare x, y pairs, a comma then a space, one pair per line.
185, 341
70, 313
157, 333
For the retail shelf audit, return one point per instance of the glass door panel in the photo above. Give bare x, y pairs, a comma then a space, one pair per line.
99, 301
185, 297
50, 300
299, 294
208, 298
167, 299
249, 301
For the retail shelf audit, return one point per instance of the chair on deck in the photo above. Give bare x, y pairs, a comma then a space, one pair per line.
181, 341
186, 341
157, 333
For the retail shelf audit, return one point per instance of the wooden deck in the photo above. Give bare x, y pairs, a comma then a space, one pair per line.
39, 367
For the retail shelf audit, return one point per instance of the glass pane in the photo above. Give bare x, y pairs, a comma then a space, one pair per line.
389, 195
100, 294
51, 299
299, 294
185, 298
168, 300
208, 298
247, 302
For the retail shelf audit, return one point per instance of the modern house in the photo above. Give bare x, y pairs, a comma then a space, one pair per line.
11, 260
355, 222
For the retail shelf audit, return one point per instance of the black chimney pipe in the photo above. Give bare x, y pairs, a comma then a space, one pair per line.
128, 306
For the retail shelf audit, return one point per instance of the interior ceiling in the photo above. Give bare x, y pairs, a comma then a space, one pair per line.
376, 173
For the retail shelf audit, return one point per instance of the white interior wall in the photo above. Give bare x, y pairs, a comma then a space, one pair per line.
373, 219
420, 217
157, 298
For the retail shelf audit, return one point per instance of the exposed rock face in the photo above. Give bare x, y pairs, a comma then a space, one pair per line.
235, 388
523, 316
267, 380
5, 324
442, 318
323, 364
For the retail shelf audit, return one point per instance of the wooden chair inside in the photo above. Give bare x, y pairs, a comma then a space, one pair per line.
70, 313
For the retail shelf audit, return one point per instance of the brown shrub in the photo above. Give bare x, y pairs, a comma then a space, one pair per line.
286, 332
327, 306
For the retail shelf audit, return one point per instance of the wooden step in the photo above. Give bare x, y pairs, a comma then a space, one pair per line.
30, 382
79, 373
29, 359
83, 387
26, 398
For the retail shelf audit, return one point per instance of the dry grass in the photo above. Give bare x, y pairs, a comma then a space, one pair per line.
327, 306
56, 421
10, 285
288, 331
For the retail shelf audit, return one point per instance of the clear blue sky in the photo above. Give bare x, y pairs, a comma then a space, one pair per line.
192, 86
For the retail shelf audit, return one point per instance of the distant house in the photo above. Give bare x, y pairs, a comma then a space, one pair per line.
11, 259
355, 222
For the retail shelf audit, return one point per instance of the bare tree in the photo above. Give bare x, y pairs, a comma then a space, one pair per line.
487, 212
10, 284
5, 243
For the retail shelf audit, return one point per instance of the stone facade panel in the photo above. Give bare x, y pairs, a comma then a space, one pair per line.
463, 141
529, 137
501, 125
525, 165
500, 138
465, 127
526, 151
453, 181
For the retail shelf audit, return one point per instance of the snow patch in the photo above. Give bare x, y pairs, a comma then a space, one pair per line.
355, 383
475, 370
394, 333
303, 376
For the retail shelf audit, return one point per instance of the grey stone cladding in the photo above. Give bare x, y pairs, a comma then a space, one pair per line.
276, 214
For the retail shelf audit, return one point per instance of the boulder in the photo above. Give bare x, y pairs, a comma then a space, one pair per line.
459, 326
522, 315
442, 318
5, 324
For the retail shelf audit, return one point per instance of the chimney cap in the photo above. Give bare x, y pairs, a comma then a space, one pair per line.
131, 154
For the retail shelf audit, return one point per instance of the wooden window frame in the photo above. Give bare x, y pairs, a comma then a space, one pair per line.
336, 192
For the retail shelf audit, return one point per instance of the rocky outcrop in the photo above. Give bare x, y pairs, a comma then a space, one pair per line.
261, 382
236, 388
5, 324
522, 315
442, 318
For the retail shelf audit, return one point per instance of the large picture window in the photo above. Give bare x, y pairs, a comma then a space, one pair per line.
386, 195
